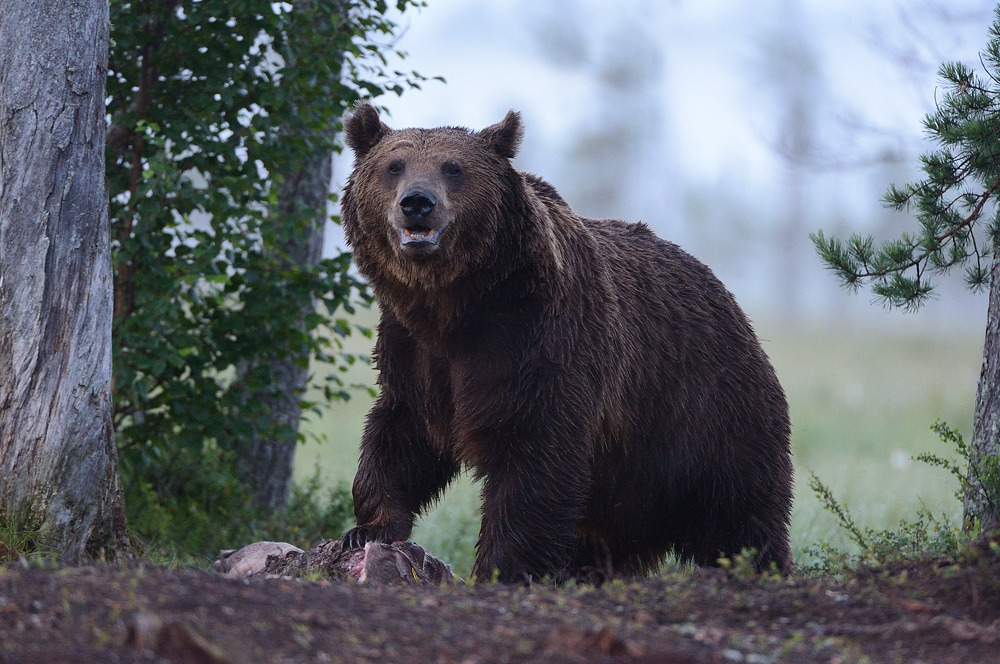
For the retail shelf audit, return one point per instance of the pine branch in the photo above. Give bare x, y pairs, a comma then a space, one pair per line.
938, 240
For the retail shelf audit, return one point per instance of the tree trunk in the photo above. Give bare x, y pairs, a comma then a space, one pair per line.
266, 463
982, 498
58, 462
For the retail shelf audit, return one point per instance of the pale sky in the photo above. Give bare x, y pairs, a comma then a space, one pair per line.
493, 58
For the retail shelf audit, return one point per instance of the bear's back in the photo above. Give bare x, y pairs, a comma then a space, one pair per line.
659, 278
688, 342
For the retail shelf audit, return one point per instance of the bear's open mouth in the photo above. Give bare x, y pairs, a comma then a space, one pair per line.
419, 233
420, 240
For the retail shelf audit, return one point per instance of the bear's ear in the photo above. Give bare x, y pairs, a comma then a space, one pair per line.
364, 129
504, 137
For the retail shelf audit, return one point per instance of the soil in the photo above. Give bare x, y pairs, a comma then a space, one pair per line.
908, 612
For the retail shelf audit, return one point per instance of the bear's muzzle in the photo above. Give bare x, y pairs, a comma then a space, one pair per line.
421, 228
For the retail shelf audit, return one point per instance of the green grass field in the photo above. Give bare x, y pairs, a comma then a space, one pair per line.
862, 404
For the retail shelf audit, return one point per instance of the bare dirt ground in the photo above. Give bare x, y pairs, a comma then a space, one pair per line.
914, 612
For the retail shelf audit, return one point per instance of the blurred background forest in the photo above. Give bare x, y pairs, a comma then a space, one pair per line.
735, 130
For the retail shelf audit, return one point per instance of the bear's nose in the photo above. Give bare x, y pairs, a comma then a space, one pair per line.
417, 203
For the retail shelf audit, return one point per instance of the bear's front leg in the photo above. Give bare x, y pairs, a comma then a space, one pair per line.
530, 517
399, 473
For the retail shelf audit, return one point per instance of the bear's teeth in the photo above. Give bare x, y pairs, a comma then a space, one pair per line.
428, 234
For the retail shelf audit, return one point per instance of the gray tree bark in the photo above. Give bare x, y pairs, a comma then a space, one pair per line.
982, 495
266, 464
58, 462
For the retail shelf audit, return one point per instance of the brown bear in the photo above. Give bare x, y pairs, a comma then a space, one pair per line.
602, 383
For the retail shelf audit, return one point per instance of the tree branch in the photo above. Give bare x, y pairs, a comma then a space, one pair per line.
939, 239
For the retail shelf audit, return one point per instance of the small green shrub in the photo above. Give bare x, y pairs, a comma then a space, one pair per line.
15, 543
983, 473
20, 537
742, 566
928, 536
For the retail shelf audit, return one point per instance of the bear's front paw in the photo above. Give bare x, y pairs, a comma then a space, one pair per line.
355, 538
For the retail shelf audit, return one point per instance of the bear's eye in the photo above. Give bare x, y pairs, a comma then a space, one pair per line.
394, 167
451, 168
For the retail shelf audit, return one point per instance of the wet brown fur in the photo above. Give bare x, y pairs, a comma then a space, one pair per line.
603, 383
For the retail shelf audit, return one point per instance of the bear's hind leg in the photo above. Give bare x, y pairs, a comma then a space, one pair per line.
730, 536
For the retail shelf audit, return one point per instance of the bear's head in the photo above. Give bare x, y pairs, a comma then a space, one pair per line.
425, 206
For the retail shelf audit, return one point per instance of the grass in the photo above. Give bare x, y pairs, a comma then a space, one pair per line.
862, 403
